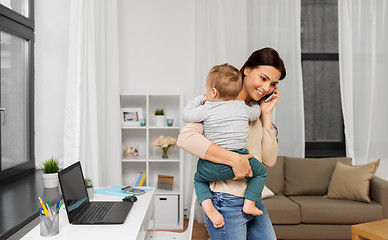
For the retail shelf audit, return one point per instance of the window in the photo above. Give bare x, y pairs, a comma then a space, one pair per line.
16, 87
19, 6
324, 130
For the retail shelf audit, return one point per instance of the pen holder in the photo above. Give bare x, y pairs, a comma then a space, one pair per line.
49, 225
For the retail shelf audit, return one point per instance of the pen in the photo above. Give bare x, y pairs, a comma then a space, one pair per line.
49, 203
59, 207
46, 213
49, 209
41, 211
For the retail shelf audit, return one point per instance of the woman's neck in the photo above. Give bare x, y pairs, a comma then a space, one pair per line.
243, 95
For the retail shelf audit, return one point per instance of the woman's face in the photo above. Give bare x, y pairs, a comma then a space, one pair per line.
260, 81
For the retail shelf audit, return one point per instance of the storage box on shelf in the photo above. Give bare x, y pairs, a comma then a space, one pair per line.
150, 159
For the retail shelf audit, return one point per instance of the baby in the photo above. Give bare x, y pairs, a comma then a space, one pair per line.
226, 123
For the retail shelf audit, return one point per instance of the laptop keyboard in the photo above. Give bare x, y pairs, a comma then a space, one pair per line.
96, 211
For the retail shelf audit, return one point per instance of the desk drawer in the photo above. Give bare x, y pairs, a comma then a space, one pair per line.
166, 211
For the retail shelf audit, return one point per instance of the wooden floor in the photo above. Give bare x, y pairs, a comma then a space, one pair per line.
199, 230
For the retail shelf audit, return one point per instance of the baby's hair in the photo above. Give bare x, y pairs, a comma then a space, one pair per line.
226, 79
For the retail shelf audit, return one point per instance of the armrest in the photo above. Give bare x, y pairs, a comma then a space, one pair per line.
379, 193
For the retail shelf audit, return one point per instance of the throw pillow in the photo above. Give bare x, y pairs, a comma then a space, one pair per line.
266, 193
309, 176
352, 182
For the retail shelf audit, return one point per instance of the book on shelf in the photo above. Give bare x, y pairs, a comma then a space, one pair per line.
142, 180
138, 178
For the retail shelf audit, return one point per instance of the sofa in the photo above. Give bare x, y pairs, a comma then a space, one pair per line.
300, 208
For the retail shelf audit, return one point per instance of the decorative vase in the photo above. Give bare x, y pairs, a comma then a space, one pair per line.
165, 152
160, 120
170, 122
90, 192
50, 180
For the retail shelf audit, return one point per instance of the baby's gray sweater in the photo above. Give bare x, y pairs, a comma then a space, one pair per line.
225, 123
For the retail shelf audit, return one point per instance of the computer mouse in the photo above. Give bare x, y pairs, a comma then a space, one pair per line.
130, 199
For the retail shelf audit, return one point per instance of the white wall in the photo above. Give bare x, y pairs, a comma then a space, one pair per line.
51, 37
156, 45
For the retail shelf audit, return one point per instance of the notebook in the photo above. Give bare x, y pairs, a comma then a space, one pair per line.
80, 210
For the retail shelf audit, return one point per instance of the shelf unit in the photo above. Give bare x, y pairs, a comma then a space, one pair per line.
150, 159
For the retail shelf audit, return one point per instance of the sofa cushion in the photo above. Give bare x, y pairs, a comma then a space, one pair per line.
320, 210
282, 210
352, 182
275, 176
309, 176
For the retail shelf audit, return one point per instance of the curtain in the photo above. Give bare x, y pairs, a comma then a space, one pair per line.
229, 31
92, 106
363, 58
278, 26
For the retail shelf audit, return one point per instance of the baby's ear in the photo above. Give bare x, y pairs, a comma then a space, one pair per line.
214, 92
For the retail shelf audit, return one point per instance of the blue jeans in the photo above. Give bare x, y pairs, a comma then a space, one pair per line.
238, 225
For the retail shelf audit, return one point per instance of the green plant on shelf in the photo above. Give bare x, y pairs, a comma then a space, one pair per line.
159, 111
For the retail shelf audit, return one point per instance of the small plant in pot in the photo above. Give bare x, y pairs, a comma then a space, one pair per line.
159, 117
89, 187
159, 112
50, 173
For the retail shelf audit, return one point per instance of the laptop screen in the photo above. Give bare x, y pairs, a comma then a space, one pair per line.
73, 188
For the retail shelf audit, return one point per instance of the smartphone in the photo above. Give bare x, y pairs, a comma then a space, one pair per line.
268, 97
132, 190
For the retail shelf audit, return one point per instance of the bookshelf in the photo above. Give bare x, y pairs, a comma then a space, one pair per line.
168, 203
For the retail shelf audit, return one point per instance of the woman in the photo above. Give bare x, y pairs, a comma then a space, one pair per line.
261, 73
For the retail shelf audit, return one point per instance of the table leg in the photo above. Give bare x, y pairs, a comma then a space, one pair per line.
356, 236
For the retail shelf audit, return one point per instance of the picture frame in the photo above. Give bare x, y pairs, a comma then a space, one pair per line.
131, 116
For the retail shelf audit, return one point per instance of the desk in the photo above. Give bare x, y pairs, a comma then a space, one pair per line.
134, 227
377, 230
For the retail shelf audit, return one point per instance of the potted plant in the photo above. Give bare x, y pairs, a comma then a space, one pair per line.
89, 187
50, 173
159, 117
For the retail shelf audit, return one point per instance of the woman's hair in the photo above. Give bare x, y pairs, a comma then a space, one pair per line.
226, 79
265, 56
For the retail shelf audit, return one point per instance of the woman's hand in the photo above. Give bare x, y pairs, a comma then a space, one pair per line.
241, 166
267, 107
239, 163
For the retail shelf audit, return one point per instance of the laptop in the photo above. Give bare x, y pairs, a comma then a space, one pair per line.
80, 210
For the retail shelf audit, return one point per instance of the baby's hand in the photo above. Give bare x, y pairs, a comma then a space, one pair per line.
205, 97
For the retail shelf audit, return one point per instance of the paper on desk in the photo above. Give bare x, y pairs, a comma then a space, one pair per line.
116, 191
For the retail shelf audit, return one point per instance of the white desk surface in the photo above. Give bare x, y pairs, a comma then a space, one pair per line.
134, 227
